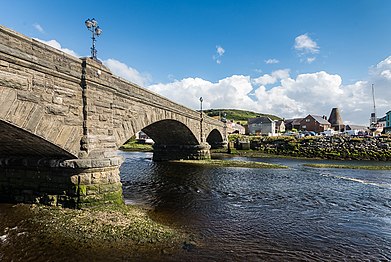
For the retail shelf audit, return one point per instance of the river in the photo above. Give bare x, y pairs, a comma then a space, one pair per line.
242, 214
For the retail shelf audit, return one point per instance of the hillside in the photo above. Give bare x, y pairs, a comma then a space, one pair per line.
237, 115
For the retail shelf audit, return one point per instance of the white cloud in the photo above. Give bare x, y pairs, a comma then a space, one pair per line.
218, 55
220, 50
122, 70
57, 45
304, 44
312, 93
272, 61
39, 28
267, 79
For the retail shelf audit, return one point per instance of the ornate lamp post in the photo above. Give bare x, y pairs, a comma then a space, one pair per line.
92, 25
201, 120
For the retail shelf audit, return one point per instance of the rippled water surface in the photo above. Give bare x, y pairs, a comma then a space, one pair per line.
240, 214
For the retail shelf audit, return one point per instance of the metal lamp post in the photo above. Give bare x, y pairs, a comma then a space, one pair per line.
201, 120
92, 26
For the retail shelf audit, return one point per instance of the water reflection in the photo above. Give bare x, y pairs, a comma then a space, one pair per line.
249, 214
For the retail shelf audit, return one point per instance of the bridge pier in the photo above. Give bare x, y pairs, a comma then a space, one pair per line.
177, 152
74, 183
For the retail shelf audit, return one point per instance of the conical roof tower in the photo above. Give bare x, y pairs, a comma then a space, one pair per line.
335, 120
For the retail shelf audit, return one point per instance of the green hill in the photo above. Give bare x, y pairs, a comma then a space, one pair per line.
237, 115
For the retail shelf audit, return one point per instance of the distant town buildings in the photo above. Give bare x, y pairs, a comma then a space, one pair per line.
311, 124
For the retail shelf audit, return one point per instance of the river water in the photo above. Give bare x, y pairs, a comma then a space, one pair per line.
242, 214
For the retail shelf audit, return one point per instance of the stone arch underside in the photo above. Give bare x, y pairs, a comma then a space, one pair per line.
174, 140
15, 141
170, 132
215, 139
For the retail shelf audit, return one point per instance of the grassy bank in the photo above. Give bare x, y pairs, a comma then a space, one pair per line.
230, 163
132, 145
348, 166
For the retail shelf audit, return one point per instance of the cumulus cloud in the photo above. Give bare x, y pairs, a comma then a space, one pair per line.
57, 45
230, 92
219, 53
280, 94
122, 70
39, 28
272, 61
304, 44
272, 78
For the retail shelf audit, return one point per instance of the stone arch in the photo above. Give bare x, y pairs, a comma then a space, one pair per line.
170, 132
215, 139
15, 141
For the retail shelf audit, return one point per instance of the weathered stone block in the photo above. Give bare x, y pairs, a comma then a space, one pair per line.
13, 81
54, 109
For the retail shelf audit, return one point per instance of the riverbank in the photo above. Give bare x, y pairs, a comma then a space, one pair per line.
87, 234
336, 147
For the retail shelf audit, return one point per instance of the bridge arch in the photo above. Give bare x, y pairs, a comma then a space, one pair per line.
16, 141
170, 132
215, 139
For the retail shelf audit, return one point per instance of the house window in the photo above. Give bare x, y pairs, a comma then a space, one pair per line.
308, 120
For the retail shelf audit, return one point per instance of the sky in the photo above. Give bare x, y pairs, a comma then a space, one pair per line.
289, 58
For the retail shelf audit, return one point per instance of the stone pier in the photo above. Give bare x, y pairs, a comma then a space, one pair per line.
177, 152
68, 183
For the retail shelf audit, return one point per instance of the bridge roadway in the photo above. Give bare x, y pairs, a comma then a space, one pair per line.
62, 119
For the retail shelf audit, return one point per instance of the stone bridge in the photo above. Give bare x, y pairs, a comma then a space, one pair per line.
62, 120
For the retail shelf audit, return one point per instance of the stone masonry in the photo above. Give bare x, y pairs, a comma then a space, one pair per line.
62, 119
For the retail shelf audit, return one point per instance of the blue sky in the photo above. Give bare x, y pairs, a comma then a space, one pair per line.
289, 58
